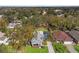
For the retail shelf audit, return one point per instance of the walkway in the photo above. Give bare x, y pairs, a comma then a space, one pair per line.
50, 47
70, 48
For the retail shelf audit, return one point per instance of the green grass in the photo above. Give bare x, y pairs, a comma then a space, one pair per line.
6, 49
77, 47
41, 29
59, 48
29, 49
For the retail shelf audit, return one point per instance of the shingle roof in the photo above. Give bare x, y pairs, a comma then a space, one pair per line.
74, 34
62, 36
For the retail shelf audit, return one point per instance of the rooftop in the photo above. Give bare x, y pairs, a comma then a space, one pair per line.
74, 34
62, 36
2, 34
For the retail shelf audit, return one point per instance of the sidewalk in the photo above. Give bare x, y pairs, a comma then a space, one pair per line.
50, 47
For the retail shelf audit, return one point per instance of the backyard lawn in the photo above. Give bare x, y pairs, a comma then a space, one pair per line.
77, 47
59, 48
29, 49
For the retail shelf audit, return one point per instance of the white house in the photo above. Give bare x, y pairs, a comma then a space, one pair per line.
3, 39
38, 39
1, 16
13, 24
60, 15
58, 10
44, 12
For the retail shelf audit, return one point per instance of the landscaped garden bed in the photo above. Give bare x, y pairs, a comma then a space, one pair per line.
59, 48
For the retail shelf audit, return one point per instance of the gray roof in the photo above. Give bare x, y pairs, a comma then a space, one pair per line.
39, 38
35, 41
74, 34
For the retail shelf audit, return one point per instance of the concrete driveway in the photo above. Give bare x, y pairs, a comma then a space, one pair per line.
70, 48
50, 47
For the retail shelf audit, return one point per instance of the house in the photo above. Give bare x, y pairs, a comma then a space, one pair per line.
75, 35
14, 24
3, 39
38, 38
36, 43
44, 12
60, 15
61, 36
11, 25
58, 10
1, 16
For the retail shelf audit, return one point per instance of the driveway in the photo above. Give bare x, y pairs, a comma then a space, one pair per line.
50, 47
70, 48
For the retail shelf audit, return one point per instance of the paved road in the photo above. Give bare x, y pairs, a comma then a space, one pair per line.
71, 48
50, 47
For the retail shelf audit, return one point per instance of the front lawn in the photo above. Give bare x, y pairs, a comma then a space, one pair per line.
77, 47
59, 48
29, 49
6, 49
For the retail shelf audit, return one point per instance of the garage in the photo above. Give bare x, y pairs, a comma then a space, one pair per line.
68, 42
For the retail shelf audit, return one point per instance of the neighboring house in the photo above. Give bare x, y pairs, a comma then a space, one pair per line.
75, 35
14, 24
11, 25
61, 36
60, 15
58, 10
1, 16
3, 39
44, 12
38, 38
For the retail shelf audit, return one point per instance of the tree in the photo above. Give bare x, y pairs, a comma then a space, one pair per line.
19, 36
3, 24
